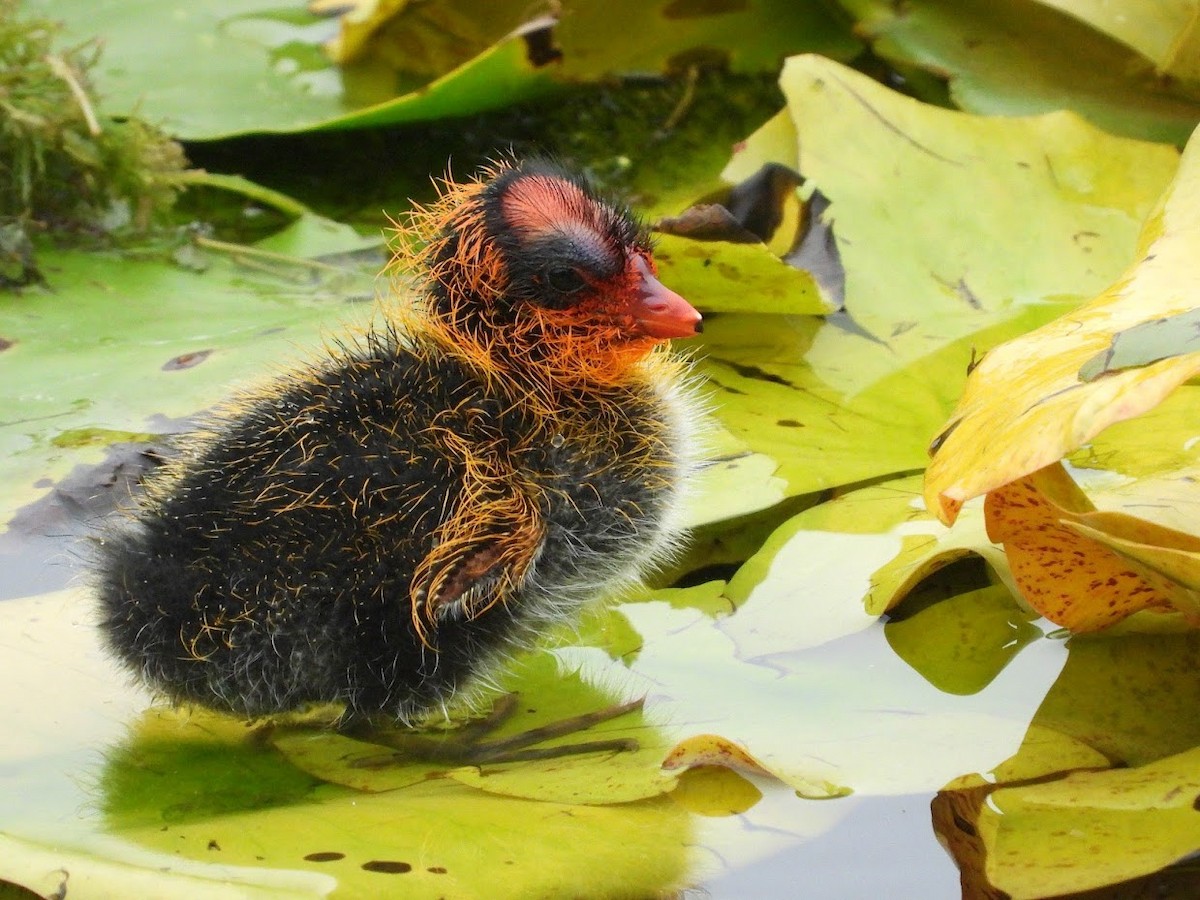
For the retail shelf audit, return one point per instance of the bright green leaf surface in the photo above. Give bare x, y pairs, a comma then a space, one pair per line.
1063, 64
973, 218
122, 345
263, 67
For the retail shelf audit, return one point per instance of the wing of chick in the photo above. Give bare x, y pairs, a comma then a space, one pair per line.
339, 538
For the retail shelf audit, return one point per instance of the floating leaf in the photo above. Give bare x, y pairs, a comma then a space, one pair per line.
436, 838
1015, 418
714, 750
977, 45
1153, 30
265, 67
171, 339
895, 542
1116, 704
723, 277
918, 236
826, 403
809, 713
1069, 578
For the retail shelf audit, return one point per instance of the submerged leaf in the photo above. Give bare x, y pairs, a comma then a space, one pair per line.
963, 642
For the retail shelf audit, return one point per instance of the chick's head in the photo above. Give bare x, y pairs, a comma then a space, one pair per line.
527, 264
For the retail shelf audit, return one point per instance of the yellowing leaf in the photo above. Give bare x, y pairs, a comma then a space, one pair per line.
714, 750
1025, 405
1091, 829
1153, 29
719, 276
972, 219
1069, 578
1173, 554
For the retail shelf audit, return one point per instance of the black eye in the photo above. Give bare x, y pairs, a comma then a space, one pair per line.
565, 280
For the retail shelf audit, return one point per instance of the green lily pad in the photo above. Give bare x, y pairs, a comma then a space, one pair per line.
719, 276
545, 695
265, 70
978, 45
963, 642
974, 219
169, 341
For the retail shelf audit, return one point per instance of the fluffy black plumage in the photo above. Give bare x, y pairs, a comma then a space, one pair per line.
381, 528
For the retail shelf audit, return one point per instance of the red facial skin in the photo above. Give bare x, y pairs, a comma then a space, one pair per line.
616, 322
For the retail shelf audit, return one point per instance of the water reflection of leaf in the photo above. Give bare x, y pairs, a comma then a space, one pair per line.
1101, 790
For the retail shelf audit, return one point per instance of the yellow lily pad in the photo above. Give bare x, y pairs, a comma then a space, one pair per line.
1091, 829
1015, 418
725, 277
1153, 29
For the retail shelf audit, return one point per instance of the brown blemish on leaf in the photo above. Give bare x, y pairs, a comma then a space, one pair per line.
540, 49
387, 866
325, 856
5, 343
186, 360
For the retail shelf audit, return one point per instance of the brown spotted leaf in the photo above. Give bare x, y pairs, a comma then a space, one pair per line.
1067, 576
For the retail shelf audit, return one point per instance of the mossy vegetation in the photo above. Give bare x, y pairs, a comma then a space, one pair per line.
65, 169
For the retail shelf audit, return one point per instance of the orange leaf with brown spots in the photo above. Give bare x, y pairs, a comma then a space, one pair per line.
1049, 531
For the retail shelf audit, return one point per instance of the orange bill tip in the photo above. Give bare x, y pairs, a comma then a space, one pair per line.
659, 311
